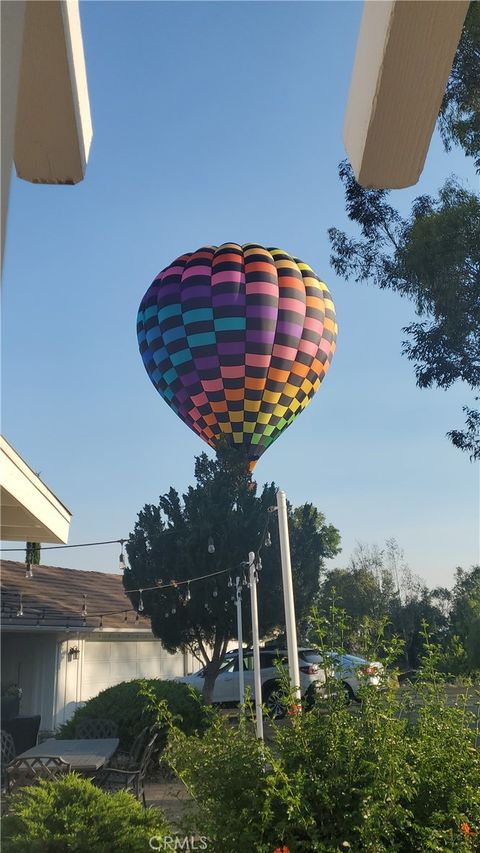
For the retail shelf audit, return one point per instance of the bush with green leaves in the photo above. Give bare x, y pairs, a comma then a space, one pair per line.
128, 704
73, 815
398, 773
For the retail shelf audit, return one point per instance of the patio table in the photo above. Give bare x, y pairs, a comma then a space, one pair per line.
84, 756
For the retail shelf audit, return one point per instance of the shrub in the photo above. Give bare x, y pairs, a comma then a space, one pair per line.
398, 774
73, 815
128, 705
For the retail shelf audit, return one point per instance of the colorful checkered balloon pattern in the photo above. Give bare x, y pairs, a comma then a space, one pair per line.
237, 340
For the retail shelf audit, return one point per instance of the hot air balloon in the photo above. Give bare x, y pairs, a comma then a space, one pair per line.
237, 339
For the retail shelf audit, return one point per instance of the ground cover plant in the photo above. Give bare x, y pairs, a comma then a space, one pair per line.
397, 773
73, 815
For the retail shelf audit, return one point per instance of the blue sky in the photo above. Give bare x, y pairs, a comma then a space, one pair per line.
218, 122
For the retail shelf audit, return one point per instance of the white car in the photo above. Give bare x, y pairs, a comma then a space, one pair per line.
227, 685
351, 671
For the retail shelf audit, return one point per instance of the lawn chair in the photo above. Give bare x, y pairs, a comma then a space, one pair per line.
8, 754
112, 780
130, 760
22, 772
91, 729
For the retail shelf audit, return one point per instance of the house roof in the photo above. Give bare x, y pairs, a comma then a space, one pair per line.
54, 597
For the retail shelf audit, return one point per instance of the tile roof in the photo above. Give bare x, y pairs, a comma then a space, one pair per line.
54, 598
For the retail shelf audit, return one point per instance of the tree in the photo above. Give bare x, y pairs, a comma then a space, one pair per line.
465, 613
459, 119
378, 584
431, 257
222, 510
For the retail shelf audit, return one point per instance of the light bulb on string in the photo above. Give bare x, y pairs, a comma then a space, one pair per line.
211, 545
101, 623
173, 610
215, 591
121, 558
188, 594
28, 571
141, 606
20, 606
84, 607
268, 540
230, 582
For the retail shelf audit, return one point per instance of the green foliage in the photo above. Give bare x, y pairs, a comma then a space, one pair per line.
459, 119
130, 705
169, 543
378, 585
223, 770
73, 815
398, 774
431, 257
465, 614
32, 553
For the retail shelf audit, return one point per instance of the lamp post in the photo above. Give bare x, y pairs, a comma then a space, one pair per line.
241, 678
290, 624
256, 645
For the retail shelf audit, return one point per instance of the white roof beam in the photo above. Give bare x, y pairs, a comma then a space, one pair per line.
53, 125
405, 52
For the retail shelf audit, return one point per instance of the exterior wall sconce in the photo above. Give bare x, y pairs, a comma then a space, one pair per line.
73, 653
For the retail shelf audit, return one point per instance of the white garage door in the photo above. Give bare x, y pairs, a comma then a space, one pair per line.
114, 658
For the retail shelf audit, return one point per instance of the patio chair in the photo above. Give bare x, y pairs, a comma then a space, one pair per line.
8, 754
91, 729
130, 760
26, 771
24, 731
112, 780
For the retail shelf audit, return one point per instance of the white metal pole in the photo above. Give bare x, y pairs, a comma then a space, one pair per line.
256, 645
290, 624
241, 677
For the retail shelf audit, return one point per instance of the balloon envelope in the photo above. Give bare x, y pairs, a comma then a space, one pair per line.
237, 340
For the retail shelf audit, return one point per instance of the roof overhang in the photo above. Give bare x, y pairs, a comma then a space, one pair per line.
30, 512
404, 56
53, 123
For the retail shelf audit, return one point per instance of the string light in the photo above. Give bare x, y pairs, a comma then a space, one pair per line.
78, 545
173, 610
265, 540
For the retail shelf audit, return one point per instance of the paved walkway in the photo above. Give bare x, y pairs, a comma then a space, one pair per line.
171, 797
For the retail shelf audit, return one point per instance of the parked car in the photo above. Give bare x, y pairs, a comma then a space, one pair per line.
226, 691
351, 671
